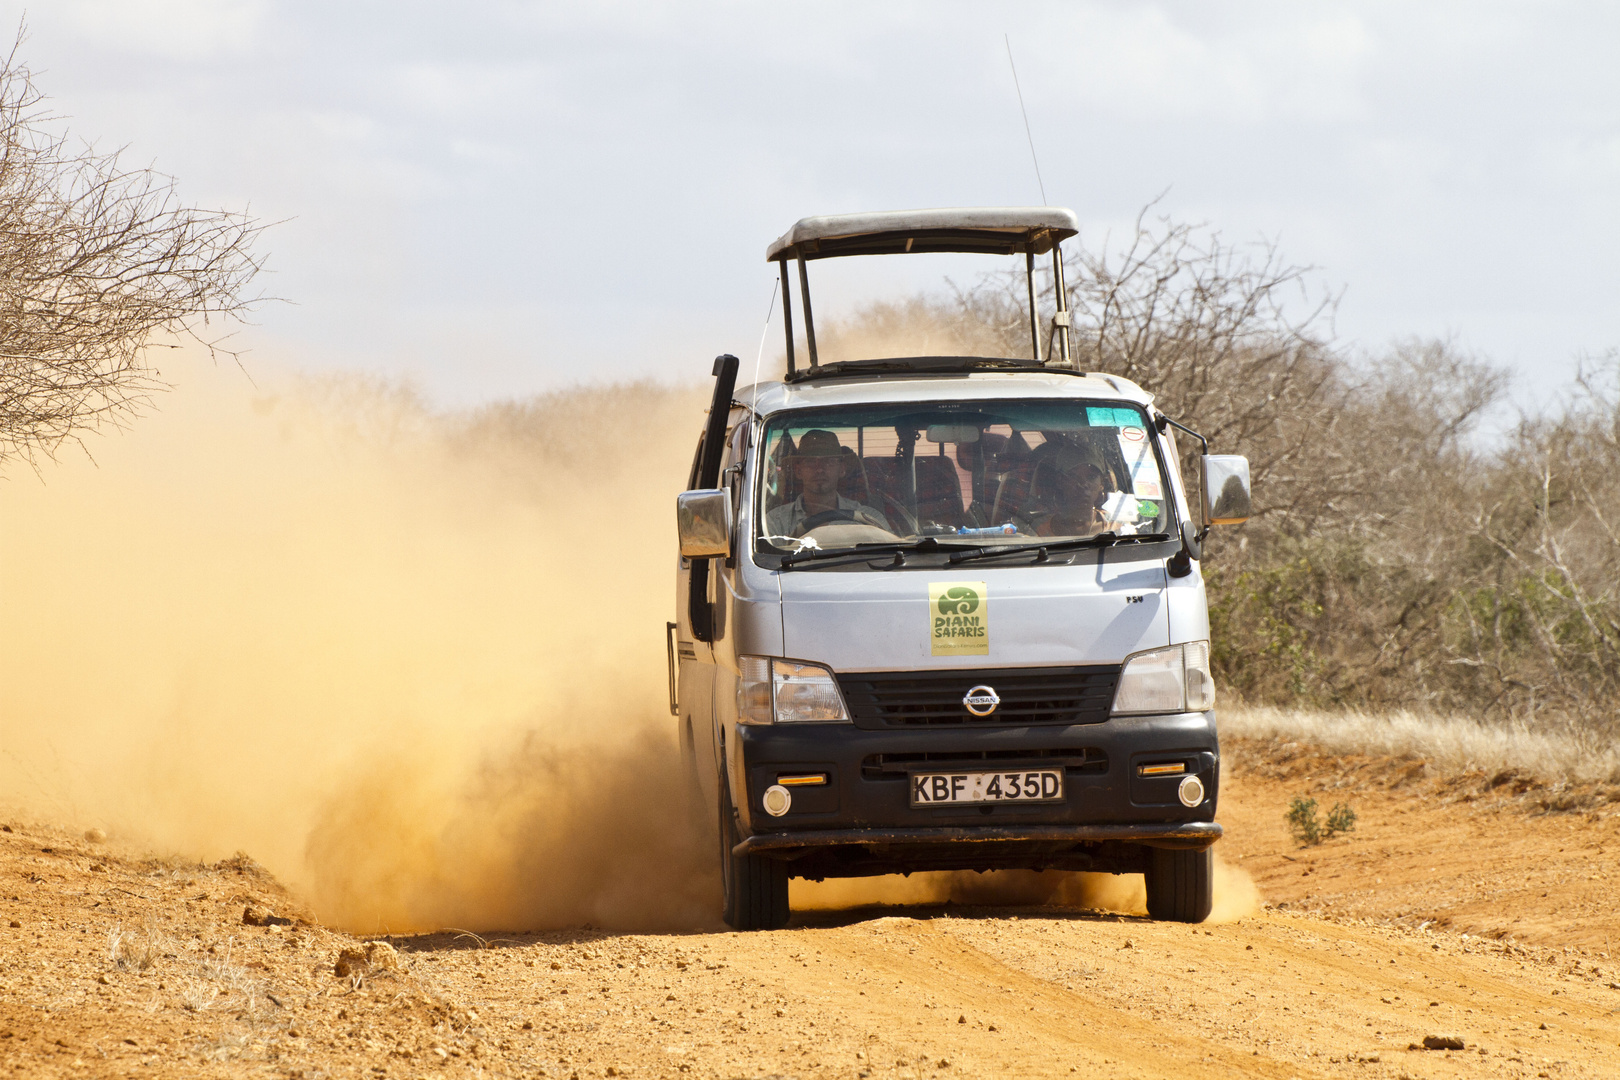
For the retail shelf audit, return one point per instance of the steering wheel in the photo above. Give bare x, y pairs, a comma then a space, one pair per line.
898, 515
827, 517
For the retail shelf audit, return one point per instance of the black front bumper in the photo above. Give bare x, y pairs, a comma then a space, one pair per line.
862, 820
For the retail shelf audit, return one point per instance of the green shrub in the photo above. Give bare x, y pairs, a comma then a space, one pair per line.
1309, 830
1302, 821
1341, 819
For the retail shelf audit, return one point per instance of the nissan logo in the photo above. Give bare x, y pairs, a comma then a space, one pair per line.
981, 700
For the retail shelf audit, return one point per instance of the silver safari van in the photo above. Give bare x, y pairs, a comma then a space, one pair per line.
945, 612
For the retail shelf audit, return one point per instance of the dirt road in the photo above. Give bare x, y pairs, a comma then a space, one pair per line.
1480, 908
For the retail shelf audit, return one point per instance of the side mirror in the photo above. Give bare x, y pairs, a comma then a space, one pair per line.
1226, 489
703, 518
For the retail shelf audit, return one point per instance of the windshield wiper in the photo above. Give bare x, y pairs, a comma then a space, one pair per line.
961, 554
1043, 551
804, 555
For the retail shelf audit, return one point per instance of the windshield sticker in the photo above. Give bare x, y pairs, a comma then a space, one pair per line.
1139, 461
1104, 417
959, 618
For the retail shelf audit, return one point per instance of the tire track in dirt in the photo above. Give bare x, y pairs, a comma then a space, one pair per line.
1032, 1015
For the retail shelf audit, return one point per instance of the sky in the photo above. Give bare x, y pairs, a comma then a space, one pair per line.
494, 199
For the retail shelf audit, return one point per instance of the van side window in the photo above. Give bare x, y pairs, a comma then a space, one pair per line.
697, 462
737, 443
739, 439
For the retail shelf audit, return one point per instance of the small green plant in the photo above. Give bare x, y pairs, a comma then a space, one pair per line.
1309, 830
1341, 819
1302, 821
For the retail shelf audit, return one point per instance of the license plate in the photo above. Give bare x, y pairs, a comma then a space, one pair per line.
1035, 785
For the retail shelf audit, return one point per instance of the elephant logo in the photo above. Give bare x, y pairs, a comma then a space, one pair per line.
958, 600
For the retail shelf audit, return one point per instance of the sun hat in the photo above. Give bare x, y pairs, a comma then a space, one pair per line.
819, 443
1074, 455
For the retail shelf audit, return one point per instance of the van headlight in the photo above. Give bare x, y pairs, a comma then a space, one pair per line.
772, 691
1169, 680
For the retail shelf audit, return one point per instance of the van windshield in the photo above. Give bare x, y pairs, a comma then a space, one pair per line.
1001, 471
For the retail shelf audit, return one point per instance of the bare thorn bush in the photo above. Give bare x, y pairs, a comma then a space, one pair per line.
98, 260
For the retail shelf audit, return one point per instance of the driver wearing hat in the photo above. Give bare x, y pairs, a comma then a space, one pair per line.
1071, 500
819, 465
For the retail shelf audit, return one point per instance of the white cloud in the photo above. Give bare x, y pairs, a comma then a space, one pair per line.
169, 28
445, 91
1157, 63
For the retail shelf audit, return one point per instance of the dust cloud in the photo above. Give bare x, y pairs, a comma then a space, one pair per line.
917, 326
992, 888
412, 663
1236, 895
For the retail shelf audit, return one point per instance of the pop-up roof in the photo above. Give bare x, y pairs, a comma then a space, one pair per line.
999, 230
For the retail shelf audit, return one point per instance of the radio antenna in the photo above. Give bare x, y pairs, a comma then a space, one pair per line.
1025, 112
760, 356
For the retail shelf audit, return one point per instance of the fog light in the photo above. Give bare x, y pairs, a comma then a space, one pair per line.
1191, 791
778, 799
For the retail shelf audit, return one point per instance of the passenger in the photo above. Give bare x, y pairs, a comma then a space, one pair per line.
1070, 500
819, 464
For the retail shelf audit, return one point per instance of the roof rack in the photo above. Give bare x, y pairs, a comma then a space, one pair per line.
1002, 230
921, 365
1029, 231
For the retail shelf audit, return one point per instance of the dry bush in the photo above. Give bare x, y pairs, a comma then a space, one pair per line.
1340, 595
1539, 630
218, 981
137, 950
97, 259
1480, 582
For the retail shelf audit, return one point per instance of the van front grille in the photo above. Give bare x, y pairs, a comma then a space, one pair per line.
1054, 695
892, 766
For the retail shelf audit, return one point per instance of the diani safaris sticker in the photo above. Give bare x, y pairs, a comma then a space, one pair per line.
959, 618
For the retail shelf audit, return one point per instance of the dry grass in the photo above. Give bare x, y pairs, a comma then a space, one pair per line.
228, 1046
1447, 743
137, 950
198, 994
220, 982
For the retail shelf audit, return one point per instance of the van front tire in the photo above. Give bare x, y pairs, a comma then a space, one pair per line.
1180, 884
756, 888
